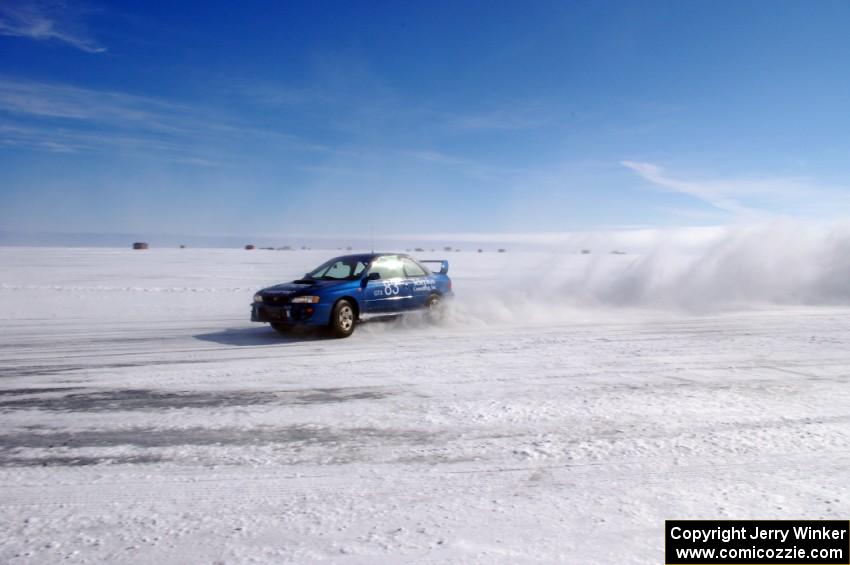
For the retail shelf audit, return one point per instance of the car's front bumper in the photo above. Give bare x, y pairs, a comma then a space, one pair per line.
294, 314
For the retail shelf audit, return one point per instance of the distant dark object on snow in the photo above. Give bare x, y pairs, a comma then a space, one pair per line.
284, 248
503, 250
481, 251
140, 245
585, 251
250, 246
447, 248
182, 247
615, 252
348, 248
305, 248
420, 250
268, 248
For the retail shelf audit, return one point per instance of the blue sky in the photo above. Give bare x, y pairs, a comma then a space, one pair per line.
227, 118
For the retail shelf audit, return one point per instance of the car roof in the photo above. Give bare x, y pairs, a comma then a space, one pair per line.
366, 257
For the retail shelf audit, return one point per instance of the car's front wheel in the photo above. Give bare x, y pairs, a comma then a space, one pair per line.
343, 319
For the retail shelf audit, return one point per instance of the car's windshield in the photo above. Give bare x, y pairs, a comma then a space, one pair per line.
339, 269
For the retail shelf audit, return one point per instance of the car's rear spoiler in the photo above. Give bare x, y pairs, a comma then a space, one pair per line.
444, 264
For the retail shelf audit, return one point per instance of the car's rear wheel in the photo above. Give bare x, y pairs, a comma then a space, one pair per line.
284, 329
434, 307
343, 319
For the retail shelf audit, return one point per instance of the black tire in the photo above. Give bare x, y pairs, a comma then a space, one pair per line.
434, 308
283, 329
343, 319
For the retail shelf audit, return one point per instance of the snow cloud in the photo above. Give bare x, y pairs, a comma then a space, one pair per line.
690, 271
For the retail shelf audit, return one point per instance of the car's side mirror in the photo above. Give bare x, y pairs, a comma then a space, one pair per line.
373, 276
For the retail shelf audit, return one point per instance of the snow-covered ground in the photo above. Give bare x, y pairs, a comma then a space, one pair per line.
567, 406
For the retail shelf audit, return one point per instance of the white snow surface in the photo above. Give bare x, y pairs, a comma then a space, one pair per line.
564, 408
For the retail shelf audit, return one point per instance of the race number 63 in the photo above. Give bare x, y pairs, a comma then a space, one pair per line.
390, 288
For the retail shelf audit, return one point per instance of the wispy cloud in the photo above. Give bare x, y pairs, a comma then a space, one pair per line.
721, 195
52, 100
48, 21
195, 162
437, 157
64, 118
497, 120
750, 197
357, 97
469, 167
280, 95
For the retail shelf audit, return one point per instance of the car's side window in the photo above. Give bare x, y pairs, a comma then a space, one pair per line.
388, 266
412, 269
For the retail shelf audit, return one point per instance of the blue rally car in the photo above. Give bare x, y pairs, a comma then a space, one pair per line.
347, 289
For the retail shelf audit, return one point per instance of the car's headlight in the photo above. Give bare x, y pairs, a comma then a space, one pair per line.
258, 298
305, 300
